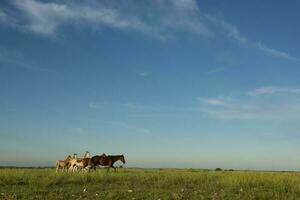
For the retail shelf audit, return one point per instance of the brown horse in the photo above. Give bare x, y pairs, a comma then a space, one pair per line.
105, 160
95, 161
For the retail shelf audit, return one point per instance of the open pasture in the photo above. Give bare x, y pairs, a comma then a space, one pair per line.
137, 184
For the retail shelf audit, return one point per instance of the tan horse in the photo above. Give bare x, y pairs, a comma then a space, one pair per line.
62, 164
79, 163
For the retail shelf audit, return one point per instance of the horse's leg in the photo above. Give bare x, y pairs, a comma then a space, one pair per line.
83, 169
87, 169
94, 167
57, 168
73, 168
77, 168
70, 168
112, 166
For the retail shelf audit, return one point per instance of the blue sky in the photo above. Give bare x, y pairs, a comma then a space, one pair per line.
168, 83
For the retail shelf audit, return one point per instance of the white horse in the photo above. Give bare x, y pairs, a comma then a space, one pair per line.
77, 163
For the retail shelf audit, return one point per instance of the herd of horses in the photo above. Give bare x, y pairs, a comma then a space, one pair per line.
73, 163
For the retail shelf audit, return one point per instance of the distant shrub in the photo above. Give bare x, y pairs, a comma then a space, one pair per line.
192, 170
218, 169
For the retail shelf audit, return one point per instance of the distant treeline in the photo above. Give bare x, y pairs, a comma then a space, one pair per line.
20, 167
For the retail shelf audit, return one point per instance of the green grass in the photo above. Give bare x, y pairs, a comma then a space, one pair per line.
148, 184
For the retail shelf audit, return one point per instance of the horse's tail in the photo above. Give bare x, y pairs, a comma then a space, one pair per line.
57, 165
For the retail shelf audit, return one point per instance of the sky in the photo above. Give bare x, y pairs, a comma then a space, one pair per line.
167, 83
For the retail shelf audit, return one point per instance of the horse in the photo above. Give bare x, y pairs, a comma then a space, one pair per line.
63, 164
95, 161
105, 160
72, 160
81, 163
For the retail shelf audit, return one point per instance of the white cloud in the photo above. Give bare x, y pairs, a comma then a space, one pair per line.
158, 18
213, 101
143, 73
274, 52
3, 15
6, 20
231, 31
273, 90
45, 18
250, 108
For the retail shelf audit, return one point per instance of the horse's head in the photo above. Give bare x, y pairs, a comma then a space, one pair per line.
68, 157
87, 154
122, 158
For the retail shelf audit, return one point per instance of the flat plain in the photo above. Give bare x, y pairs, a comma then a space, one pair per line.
155, 184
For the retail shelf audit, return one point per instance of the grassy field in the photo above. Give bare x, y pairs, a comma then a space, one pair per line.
136, 184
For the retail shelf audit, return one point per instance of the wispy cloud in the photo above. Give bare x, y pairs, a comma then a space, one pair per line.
45, 18
273, 90
273, 52
3, 16
159, 18
143, 73
213, 101
7, 19
232, 32
253, 108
